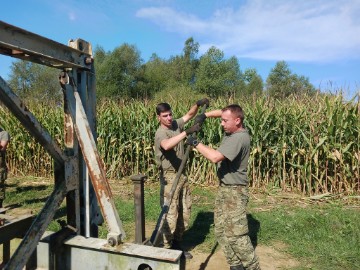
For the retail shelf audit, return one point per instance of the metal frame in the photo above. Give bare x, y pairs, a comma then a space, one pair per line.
78, 162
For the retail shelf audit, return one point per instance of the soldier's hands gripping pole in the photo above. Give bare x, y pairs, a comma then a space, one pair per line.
199, 120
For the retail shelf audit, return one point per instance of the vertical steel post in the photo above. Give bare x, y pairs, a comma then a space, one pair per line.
138, 181
85, 80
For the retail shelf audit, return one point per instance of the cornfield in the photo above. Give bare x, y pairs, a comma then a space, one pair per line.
308, 144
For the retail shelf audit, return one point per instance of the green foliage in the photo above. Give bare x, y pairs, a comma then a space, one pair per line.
217, 76
190, 60
118, 72
308, 144
282, 83
254, 83
177, 71
35, 82
121, 73
156, 74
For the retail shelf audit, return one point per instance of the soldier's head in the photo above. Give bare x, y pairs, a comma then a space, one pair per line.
164, 114
232, 118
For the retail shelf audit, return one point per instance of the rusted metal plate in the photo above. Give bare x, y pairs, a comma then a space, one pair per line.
22, 44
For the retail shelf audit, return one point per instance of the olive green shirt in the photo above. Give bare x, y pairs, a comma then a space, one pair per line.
236, 149
171, 159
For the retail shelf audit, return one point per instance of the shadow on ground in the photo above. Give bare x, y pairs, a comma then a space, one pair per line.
254, 228
198, 231
201, 227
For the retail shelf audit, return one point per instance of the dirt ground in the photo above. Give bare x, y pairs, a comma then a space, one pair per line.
270, 259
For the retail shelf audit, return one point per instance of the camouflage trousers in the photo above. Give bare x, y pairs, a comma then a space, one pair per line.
231, 226
3, 176
177, 220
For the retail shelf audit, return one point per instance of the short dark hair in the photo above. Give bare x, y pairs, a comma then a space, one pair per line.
162, 107
237, 110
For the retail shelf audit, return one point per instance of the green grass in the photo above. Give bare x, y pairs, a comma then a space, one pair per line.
325, 237
321, 234
27, 192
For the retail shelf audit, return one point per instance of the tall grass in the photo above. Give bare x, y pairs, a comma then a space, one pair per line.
308, 144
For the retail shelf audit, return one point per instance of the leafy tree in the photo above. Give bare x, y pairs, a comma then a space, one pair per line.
282, 83
182, 67
34, 81
99, 56
118, 72
191, 62
253, 81
176, 71
216, 76
156, 74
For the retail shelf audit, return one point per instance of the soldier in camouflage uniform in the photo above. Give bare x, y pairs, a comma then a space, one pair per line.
169, 151
231, 225
4, 140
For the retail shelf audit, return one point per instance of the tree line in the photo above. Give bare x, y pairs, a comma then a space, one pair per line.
123, 74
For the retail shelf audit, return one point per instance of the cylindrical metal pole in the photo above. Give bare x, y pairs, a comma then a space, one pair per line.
138, 181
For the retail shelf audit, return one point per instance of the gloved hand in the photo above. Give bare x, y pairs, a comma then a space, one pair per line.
195, 128
202, 102
192, 141
200, 118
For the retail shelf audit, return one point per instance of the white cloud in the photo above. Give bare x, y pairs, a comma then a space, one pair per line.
307, 31
173, 21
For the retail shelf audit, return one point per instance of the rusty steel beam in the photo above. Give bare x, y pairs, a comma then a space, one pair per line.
94, 164
71, 151
22, 113
22, 44
37, 229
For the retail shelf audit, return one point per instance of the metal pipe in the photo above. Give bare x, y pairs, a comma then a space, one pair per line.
87, 204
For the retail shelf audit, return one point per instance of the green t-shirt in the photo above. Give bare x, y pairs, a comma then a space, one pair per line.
236, 149
170, 159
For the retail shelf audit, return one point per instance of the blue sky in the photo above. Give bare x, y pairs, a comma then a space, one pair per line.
319, 39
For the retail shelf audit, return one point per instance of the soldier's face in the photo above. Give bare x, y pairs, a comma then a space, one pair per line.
165, 119
230, 122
